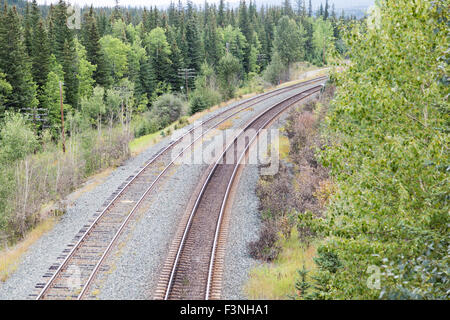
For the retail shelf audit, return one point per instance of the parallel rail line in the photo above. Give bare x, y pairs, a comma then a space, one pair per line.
97, 239
189, 270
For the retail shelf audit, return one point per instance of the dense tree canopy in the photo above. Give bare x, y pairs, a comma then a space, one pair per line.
389, 155
159, 51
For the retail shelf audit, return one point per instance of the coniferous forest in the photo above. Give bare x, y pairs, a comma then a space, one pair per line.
148, 52
122, 73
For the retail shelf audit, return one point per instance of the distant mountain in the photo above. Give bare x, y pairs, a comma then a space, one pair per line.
350, 7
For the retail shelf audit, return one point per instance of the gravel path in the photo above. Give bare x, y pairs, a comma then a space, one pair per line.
135, 265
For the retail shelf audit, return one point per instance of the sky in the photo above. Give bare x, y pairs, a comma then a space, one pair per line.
148, 3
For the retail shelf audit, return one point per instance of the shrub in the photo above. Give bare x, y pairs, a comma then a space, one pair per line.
167, 109
275, 192
275, 71
17, 139
228, 74
265, 248
204, 98
145, 124
102, 151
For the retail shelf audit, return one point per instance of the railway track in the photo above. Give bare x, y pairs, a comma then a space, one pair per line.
84, 258
192, 263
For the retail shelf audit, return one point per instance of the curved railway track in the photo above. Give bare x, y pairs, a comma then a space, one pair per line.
85, 257
190, 268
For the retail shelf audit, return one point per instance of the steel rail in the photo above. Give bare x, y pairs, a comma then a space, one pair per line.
170, 145
230, 183
197, 202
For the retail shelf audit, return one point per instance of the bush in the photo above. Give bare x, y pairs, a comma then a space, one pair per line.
275, 71
17, 139
204, 98
102, 151
228, 74
168, 109
265, 248
145, 124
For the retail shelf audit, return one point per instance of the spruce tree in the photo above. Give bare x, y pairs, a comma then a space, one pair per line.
287, 8
40, 57
70, 67
194, 46
247, 31
28, 30
176, 58
147, 82
91, 41
212, 42
221, 14
35, 13
320, 12
325, 15
65, 53
14, 63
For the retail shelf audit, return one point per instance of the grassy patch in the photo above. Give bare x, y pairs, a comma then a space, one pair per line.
10, 257
284, 147
276, 280
140, 144
225, 125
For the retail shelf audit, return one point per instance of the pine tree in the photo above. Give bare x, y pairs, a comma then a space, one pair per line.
247, 31
117, 13
40, 57
176, 58
310, 10
287, 8
14, 63
65, 53
28, 30
309, 30
60, 32
221, 14
320, 12
147, 81
91, 41
70, 67
35, 13
302, 285
171, 12
212, 42
193, 58
325, 15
